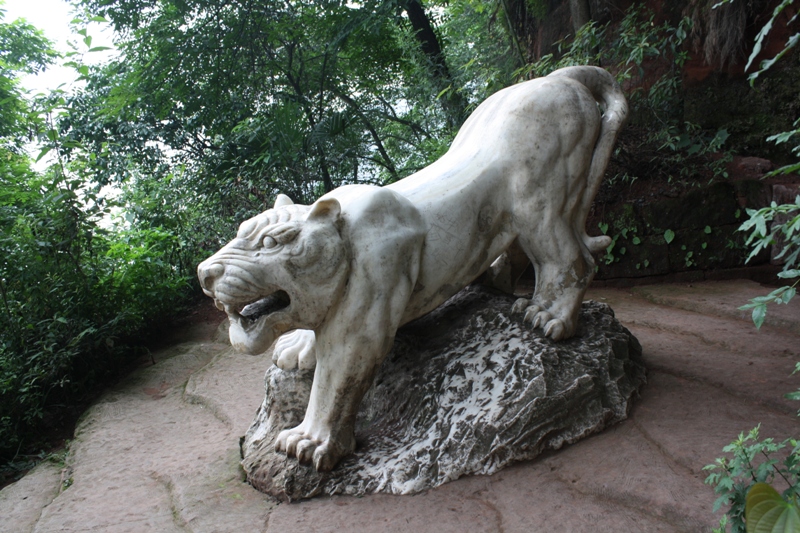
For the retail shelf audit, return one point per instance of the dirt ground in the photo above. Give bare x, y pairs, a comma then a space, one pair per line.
159, 451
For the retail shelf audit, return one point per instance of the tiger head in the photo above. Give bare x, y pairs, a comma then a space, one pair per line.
284, 270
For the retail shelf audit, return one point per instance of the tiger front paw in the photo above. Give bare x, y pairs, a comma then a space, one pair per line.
322, 453
295, 350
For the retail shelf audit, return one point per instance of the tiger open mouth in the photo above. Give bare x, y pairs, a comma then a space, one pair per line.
269, 304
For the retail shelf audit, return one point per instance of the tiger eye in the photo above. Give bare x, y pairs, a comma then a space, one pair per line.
268, 242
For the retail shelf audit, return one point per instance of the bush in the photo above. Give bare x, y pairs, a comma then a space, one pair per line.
752, 461
742, 481
73, 296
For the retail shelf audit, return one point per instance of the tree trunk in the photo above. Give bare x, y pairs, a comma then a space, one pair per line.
579, 9
523, 27
452, 102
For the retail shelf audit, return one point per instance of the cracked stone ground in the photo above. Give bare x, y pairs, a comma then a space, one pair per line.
159, 452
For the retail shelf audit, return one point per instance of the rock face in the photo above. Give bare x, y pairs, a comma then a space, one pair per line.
467, 389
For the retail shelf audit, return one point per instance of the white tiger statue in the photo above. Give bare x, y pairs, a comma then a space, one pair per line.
338, 278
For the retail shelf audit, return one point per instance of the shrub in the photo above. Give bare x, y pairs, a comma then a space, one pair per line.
73, 297
741, 481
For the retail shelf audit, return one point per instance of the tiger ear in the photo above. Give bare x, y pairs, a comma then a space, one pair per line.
282, 200
326, 209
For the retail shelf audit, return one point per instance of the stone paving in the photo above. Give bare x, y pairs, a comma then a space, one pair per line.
159, 452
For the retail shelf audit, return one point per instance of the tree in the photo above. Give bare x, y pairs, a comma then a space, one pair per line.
23, 49
255, 98
73, 292
454, 102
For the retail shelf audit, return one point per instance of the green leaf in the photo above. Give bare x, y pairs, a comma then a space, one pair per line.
669, 236
720, 138
443, 91
763, 34
782, 137
759, 313
789, 294
788, 169
636, 240
767, 512
44, 152
707, 230
794, 273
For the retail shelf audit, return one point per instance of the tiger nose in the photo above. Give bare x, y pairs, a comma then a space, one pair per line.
207, 273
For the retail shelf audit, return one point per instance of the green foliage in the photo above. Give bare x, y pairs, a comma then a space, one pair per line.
631, 49
765, 231
776, 223
740, 481
76, 289
478, 48
761, 37
73, 297
750, 461
253, 101
786, 136
23, 49
689, 141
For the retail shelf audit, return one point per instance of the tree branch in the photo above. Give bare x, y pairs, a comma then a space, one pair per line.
375, 137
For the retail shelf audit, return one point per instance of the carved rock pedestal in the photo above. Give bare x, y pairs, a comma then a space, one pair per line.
467, 389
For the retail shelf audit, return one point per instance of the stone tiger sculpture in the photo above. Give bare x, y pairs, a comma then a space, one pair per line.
343, 274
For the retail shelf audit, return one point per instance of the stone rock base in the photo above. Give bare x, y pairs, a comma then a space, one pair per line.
467, 389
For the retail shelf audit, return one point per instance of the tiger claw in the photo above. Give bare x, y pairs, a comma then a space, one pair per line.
555, 329
520, 305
